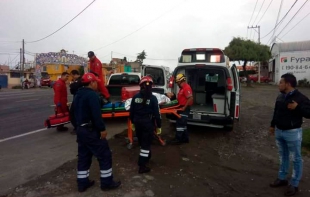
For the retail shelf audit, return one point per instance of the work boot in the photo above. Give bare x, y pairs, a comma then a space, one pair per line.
144, 169
279, 183
83, 189
114, 185
291, 190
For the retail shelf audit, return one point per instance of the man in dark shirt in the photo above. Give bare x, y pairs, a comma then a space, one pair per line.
290, 108
91, 136
75, 85
144, 114
76, 82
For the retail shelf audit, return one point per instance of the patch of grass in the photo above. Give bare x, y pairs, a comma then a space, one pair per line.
306, 139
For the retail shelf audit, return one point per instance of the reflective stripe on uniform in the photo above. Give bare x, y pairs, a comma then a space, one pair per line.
145, 151
180, 128
82, 174
144, 155
183, 115
106, 173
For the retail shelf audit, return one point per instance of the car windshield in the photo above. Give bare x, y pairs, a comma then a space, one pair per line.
124, 79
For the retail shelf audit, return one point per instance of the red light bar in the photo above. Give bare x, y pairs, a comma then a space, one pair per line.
200, 65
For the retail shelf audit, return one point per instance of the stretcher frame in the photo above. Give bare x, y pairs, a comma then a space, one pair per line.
168, 110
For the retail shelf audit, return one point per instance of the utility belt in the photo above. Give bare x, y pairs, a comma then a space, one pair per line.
145, 118
87, 125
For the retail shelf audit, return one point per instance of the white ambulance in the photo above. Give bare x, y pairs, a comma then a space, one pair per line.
215, 85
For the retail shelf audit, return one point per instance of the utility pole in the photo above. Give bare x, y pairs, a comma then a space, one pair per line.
258, 27
23, 61
20, 62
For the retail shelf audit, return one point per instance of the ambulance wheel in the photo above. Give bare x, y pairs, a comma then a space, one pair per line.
229, 128
129, 146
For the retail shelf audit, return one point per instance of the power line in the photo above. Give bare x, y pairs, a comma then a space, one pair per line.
259, 11
277, 24
145, 57
251, 18
293, 17
13, 59
265, 12
64, 24
139, 28
295, 25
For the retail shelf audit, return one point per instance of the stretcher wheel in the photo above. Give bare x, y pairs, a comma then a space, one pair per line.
129, 146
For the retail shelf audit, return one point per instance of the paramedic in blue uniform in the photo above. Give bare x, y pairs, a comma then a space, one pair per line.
145, 116
185, 100
91, 136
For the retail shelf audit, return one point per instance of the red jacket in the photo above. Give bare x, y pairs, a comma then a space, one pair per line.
60, 92
96, 67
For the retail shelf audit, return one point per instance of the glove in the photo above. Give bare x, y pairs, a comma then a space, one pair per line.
133, 127
158, 131
58, 104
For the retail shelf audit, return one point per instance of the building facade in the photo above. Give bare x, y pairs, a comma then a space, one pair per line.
54, 63
290, 57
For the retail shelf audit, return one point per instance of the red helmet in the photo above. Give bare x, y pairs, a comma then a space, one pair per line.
146, 79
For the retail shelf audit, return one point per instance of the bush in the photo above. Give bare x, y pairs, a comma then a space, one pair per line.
306, 139
303, 83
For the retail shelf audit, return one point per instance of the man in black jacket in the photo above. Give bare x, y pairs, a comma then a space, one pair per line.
91, 136
76, 82
290, 108
75, 85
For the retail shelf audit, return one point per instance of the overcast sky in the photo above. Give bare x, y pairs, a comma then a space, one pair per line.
163, 28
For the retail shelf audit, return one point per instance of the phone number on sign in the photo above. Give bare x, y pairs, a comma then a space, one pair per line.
302, 67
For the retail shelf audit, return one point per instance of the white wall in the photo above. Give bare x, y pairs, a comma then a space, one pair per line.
297, 63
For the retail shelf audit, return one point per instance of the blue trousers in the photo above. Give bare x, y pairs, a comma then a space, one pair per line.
145, 134
89, 144
289, 144
181, 133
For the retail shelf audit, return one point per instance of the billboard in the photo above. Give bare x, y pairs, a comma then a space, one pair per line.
297, 63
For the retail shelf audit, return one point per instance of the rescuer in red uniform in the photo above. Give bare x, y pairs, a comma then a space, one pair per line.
96, 67
61, 97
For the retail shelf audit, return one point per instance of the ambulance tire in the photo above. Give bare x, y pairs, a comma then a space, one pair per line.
229, 128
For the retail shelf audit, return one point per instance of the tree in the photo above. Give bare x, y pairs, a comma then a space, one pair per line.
246, 50
141, 56
81, 70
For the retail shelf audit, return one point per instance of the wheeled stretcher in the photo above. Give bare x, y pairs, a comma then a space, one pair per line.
170, 108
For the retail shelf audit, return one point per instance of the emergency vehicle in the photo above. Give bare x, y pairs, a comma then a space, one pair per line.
215, 85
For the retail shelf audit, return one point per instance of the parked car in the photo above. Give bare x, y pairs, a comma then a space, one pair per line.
46, 81
263, 79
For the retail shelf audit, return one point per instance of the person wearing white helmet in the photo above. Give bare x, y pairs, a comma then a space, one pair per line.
143, 110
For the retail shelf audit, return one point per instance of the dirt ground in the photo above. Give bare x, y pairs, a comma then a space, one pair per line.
214, 163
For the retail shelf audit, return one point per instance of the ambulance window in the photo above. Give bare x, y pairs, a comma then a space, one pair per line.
200, 56
186, 58
212, 77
